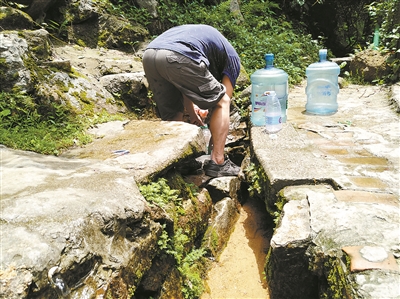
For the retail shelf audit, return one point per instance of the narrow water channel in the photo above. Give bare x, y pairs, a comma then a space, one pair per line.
239, 271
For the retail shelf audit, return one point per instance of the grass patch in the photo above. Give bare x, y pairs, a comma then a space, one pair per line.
43, 128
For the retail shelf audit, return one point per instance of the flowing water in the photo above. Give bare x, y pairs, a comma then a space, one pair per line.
239, 272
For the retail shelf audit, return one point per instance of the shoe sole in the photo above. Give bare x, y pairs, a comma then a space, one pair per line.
216, 174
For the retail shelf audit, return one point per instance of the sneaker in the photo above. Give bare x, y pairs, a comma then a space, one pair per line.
228, 168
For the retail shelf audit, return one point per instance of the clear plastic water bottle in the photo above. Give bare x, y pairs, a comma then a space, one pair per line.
322, 86
273, 116
207, 138
268, 78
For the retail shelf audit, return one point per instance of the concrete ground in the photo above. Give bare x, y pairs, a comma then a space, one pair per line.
340, 174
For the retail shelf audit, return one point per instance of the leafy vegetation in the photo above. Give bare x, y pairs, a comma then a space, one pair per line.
385, 16
294, 30
159, 193
257, 31
190, 264
26, 125
44, 128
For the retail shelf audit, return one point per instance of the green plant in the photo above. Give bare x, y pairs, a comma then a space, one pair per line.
262, 30
253, 178
46, 129
164, 240
159, 193
190, 270
189, 264
385, 16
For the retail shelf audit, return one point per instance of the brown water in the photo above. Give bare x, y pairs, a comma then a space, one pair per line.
239, 271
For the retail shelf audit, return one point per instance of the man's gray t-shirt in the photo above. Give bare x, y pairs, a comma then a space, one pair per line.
202, 43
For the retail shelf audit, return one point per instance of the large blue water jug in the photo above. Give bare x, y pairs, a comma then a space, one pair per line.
269, 78
322, 86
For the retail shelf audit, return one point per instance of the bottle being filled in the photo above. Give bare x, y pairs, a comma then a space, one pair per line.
273, 116
269, 78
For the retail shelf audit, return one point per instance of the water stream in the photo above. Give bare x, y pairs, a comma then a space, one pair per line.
239, 272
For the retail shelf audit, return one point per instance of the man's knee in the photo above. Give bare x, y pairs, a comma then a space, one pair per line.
225, 101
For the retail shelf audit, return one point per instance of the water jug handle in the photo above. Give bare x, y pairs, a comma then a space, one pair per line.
335, 87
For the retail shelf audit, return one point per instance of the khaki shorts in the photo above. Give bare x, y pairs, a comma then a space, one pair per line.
171, 74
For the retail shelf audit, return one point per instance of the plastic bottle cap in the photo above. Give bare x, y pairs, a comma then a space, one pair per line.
269, 56
323, 52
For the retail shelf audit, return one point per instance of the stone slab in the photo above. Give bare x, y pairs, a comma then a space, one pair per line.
288, 160
85, 206
151, 147
367, 231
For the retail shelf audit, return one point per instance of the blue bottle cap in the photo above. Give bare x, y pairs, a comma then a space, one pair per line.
322, 54
269, 56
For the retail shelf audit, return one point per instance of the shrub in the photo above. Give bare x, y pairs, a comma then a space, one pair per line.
385, 15
260, 31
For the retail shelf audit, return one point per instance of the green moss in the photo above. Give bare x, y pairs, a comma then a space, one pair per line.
282, 200
337, 286
102, 39
81, 43
190, 262
3, 70
268, 268
214, 239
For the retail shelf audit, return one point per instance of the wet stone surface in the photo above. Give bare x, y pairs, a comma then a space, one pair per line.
356, 215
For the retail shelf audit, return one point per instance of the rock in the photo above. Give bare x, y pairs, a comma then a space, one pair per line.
146, 142
96, 228
84, 223
235, 10
370, 65
14, 19
82, 10
116, 33
39, 43
225, 214
315, 236
13, 52
38, 9
96, 63
150, 6
277, 156
222, 187
130, 87
62, 65
287, 269
224, 193
395, 97
78, 92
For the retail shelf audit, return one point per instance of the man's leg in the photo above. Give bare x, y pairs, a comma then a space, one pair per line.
219, 127
178, 117
167, 97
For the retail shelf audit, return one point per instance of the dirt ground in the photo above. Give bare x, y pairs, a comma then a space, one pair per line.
239, 271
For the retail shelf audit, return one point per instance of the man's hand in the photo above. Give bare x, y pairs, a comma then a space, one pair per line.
193, 112
200, 112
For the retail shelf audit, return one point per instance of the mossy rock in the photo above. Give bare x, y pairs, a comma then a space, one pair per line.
117, 33
14, 19
38, 42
